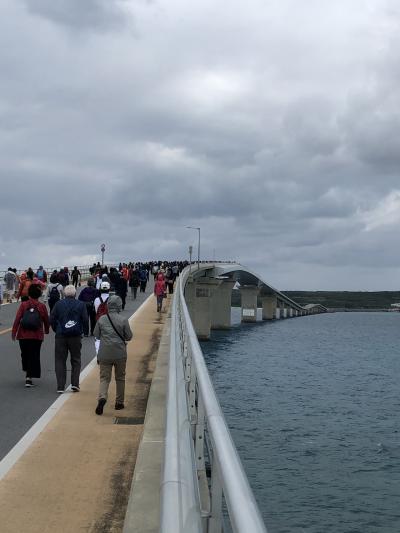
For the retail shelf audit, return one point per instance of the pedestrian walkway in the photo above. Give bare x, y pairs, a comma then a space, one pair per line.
76, 475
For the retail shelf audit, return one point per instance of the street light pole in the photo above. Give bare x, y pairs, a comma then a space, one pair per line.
190, 258
198, 246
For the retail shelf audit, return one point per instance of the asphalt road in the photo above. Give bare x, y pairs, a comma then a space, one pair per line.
21, 407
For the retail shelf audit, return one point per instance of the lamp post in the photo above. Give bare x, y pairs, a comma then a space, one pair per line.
198, 246
190, 258
102, 249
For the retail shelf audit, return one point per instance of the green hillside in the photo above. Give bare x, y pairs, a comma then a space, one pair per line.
346, 299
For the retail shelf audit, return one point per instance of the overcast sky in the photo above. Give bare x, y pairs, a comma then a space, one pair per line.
274, 125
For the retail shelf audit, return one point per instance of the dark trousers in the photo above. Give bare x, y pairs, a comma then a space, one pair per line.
143, 286
134, 292
30, 355
63, 345
92, 319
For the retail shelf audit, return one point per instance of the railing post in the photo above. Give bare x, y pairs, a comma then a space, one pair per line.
199, 444
215, 520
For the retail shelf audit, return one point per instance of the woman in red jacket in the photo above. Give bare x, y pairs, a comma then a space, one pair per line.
159, 291
30, 324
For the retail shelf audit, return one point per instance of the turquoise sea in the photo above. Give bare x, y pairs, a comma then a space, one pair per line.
313, 404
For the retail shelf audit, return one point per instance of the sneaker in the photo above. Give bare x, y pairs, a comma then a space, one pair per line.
60, 391
28, 382
74, 388
119, 406
100, 406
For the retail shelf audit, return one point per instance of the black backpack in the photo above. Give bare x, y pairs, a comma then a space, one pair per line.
54, 295
31, 319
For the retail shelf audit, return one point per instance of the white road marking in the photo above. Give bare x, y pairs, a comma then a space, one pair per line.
25, 442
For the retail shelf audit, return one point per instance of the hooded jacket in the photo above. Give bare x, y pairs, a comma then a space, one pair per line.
112, 347
159, 286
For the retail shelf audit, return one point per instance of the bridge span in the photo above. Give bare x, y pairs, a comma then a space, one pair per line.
208, 293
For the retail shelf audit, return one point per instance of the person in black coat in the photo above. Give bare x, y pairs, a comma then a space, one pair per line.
134, 281
121, 288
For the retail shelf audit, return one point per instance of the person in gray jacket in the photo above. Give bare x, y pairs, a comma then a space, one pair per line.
114, 331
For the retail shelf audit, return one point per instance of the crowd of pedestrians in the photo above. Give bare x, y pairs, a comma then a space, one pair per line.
95, 311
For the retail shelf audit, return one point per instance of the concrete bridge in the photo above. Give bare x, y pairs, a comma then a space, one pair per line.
169, 464
208, 294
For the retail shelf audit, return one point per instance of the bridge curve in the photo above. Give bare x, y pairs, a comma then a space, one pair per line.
208, 292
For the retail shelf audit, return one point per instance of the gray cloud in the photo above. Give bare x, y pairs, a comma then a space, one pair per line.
274, 127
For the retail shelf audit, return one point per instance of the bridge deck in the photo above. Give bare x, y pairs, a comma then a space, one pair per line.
76, 475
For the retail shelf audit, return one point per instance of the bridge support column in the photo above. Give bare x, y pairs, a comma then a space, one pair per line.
291, 312
284, 311
277, 311
269, 307
198, 296
221, 305
249, 303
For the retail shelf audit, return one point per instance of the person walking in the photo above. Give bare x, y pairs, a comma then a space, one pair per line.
76, 276
69, 320
9, 280
88, 296
134, 282
100, 303
30, 324
54, 291
121, 288
159, 291
114, 331
17, 281
41, 274
26, 280
143, 279
170, 280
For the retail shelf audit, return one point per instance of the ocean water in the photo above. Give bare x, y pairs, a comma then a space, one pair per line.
313, 404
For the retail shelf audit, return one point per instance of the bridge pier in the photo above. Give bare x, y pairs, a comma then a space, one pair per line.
198, 296
269, 307
284, 310
249, 295
221, 305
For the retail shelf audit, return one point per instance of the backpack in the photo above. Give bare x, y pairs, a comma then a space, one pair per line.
102, 309
71, 324
31, 319
54, 295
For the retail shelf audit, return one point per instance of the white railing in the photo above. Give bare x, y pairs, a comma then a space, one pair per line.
197, 443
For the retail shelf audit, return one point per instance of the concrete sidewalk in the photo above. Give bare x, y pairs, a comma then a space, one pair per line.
77, 474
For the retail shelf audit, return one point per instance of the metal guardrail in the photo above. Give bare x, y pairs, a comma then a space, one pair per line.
198, 442
84, 270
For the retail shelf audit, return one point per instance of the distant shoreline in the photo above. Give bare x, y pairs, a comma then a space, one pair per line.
339, 301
